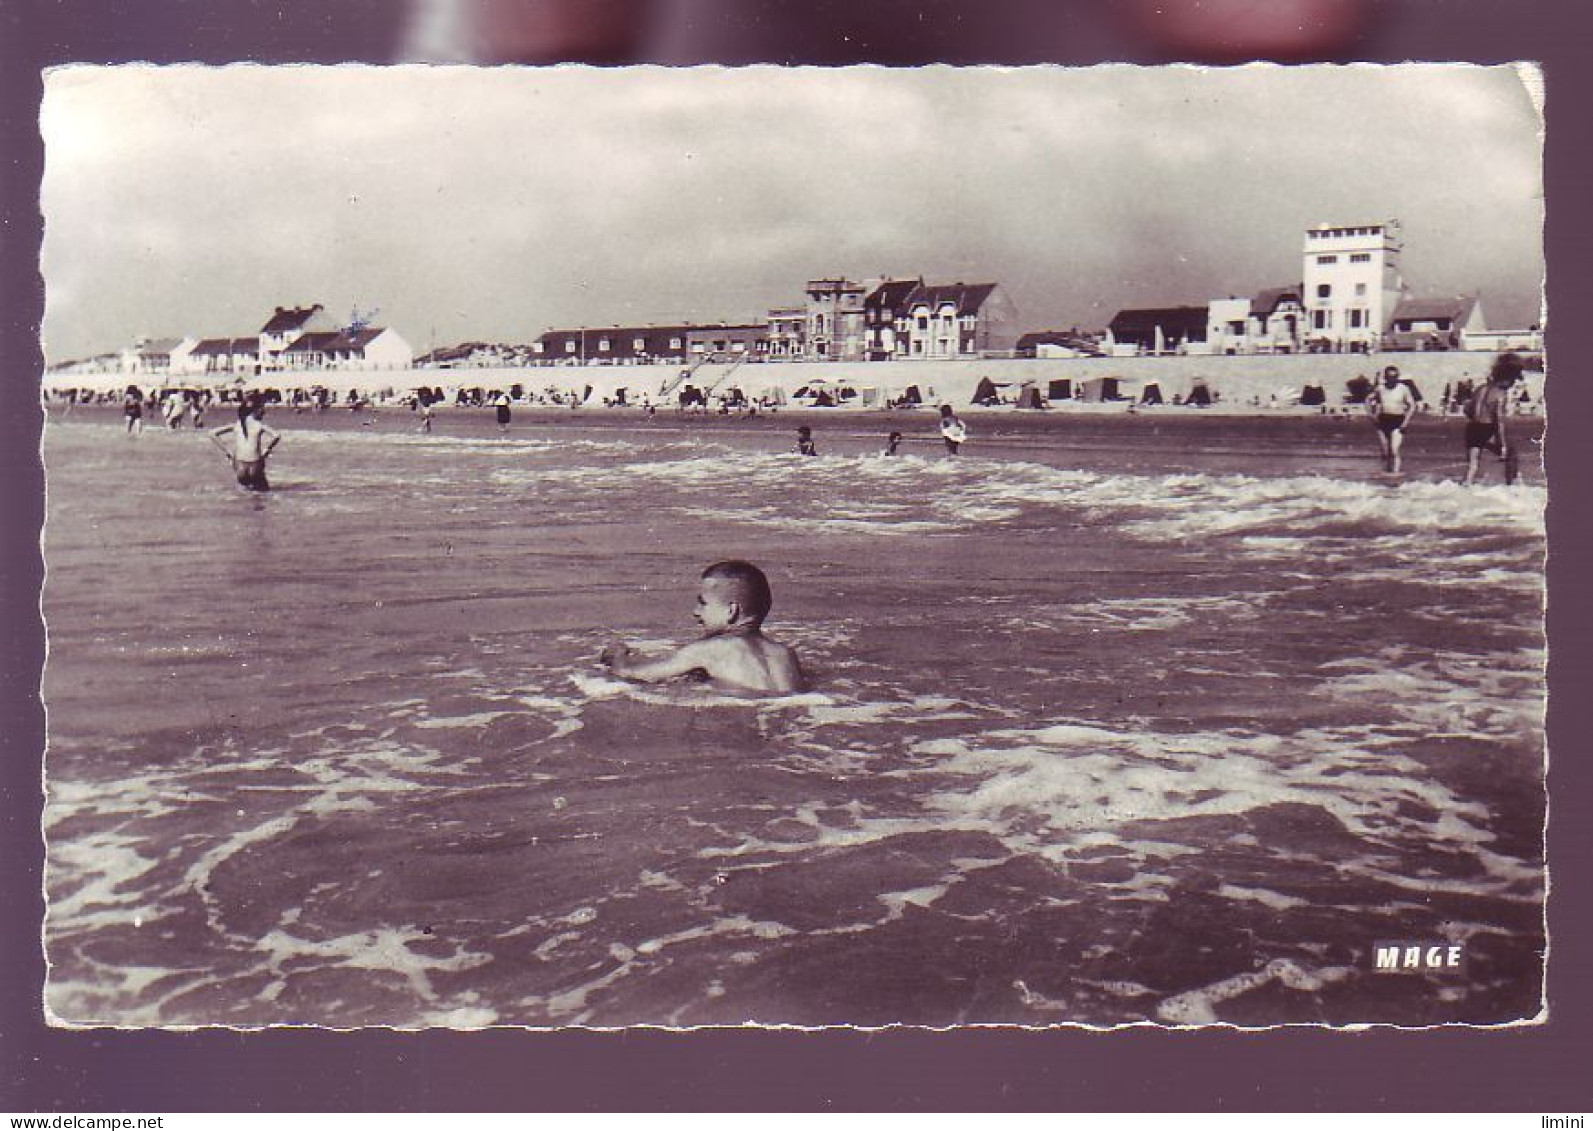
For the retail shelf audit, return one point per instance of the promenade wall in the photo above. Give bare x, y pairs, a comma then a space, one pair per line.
1240, 380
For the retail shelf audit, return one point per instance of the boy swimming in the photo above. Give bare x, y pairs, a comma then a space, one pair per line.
732, 600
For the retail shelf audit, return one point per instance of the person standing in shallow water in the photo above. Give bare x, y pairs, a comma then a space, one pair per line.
952, 430
1486, 413
805, 446
1391, 404
501, 404
133, 409
252, 443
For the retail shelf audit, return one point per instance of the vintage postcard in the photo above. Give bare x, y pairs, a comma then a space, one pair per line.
561, 546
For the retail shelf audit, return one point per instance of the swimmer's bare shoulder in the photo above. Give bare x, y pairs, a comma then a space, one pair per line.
744, 663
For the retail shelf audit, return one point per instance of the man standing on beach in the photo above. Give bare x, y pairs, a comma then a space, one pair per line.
1392, 404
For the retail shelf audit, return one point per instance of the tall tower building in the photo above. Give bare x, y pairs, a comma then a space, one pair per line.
1352, 283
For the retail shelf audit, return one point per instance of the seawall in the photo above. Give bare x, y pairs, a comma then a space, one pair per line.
1262, 380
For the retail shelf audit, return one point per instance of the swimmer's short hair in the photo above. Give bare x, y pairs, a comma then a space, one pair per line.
752, 587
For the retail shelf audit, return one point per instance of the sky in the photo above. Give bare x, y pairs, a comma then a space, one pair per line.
475, 204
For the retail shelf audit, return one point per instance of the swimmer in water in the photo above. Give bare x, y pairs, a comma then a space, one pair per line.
952, 430
252, 444
732, 600
805, 442
892, 442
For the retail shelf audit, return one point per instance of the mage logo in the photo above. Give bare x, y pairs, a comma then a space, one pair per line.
1419, 957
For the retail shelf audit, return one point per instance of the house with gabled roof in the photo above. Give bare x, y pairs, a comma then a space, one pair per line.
286, 326
238, 356
885, 318
952, 320
1278, 319
1434, 323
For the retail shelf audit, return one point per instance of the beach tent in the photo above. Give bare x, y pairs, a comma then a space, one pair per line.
912, 395
1199, 393
772, 395
987, 392
1313, 394
1102, 389
1029, 397
1060, 389
1151, 394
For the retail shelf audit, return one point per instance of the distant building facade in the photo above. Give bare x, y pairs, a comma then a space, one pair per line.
885, 318
957, 320
286, 326
1158, 330
833, 326
1435, 323
727, 342
1352, 283
787, 338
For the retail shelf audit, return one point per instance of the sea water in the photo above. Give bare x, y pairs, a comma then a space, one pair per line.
1143, 736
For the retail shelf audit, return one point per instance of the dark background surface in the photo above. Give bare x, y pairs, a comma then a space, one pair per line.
1537, 1069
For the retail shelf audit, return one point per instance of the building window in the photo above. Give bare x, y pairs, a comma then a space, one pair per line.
674, 343
602, 345
1360, 290
1324, 260
1322, 319
569, 345
818, 324
639, 344
1361, 257
1324, 290
1237, 329
923, 322
1357, 319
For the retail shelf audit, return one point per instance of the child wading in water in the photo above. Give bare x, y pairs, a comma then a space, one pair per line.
732, 600
252, 443
952, 430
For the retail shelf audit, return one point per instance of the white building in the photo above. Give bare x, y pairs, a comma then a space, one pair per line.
1352, 283
1228, 329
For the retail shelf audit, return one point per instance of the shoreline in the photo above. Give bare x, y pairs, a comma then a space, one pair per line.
1170, 439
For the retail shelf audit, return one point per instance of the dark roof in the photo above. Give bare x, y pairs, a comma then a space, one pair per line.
892, 293
159, 345
1167, 317
350, 339
1456, 308
1056, 338
966, 297
317, 340
215, 347
1265, 302
285, 320
622, 341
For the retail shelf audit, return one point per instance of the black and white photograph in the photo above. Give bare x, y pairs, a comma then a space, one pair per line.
601, 547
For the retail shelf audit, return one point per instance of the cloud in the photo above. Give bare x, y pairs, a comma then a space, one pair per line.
496, 203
